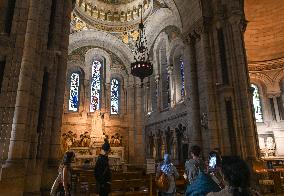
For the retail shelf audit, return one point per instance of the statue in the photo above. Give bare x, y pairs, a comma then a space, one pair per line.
116, 140
85, 139
68, 140
169, 139
270, 145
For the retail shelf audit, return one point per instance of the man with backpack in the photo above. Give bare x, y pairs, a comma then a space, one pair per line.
165, 177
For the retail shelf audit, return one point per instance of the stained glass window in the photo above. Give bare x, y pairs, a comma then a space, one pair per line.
74, 92
257, 104
114, 96
168, 90
182, 77
96, 86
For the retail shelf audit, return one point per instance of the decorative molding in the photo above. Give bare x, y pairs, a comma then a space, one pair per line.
114, 16
173, 117
257, 66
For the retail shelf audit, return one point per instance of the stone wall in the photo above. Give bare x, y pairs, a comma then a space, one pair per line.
34, 43
216, 110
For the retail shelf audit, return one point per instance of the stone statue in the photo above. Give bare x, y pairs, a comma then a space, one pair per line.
116, 140
85, 139
68, 140
270, 145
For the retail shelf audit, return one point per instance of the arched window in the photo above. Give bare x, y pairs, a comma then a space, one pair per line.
165, 77
96, 86
182, 77
74, 92
114, 96
257, 104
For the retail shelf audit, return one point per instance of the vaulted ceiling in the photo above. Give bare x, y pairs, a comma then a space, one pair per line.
264, 36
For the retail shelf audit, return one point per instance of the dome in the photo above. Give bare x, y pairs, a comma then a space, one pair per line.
112, 15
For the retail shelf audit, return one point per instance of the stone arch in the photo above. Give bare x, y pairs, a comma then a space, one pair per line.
162, 38
279, 76
266, 80
103, 40
176, 47
161, 19
176, 51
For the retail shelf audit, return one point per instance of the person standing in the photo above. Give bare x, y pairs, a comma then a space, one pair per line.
62, 184
102, 171
194, 165
168, 168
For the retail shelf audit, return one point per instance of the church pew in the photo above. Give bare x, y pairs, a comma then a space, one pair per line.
129, 183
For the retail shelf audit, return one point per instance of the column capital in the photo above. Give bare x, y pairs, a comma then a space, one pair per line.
273, 94
197, 29
170, 69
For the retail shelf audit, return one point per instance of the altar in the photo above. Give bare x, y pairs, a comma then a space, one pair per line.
88, 147
89, 155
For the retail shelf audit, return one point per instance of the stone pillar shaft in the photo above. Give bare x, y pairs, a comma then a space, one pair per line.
172, 86
24, 85
191, 80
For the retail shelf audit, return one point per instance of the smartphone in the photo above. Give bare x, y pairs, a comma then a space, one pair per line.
212, 162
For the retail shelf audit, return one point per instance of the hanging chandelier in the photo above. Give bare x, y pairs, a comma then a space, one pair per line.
141, 67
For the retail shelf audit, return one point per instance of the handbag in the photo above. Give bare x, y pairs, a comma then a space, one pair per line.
55, 186
163, 182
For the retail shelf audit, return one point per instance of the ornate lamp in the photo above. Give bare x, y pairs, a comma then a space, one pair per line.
141, 67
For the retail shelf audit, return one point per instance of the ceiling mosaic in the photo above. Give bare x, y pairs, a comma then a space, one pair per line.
113, 15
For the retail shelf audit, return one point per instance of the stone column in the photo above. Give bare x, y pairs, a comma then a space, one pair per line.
139, 125
171, 83
276, 108
206, 86
131, 121
241, 84
192, 95
54, 153
16, 147
158, 93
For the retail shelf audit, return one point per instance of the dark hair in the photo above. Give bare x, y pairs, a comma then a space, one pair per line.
237, 174
106, 146
67, 158
195, 150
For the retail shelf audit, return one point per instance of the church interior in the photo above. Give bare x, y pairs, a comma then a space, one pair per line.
153, 77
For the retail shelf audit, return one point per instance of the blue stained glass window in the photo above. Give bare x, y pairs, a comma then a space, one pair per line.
96, 86
182, 77
257, 104
74, 92
114, 96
